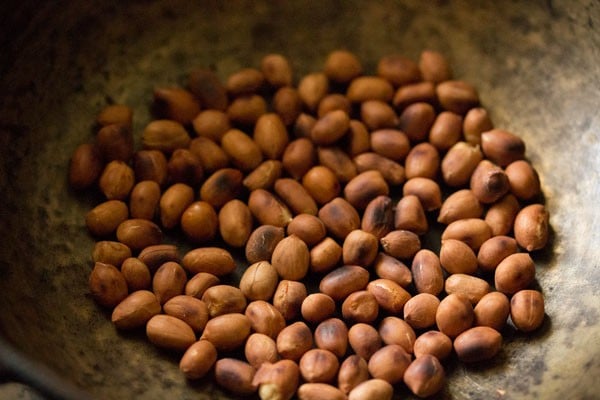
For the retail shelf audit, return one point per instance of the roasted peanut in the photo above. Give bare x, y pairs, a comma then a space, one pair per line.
307, 227
235, 375
409, 215
523, 179
117, 180
136, 274
427, 273
396, 331
294, 340
138, 233
157, 255
291, 258
425, 376
265, 318
270, 135
303, 125
135, 310
332, 335
401, 244
416, 121
476, 121
277, 70
320, 391
260, 349
115, 142
205, 85
333, 101
279, 380
434, 66
109, 252
360, 306
268, 209
527, 310
359, 248
317, 307
357, 139
372, 389
365, 187
151, 165
342, 281
199, 222
321, 183
170, 333
165, 135
259, 281
288, 298
501, 215
342, 66
235, 223
531, 227
398, 70
295, 196
389, 295
330, 128
213, 260
325, 255
488, 182
364, 341
185, 167
390, 143
423, 160
115, 114
298, 157
334, 158
168, 281
222, 186
446, 130
433, 342
264, 176
340, 217
173, 202
390, 170
391, 268
353, 371
516, 272
176, 104
502, 147
477, 344
454, 315
472, 231
85, 166
494, 250
459, 163
224, 299
471, 287
243, 151
492, 310
364, 88
212, 156
312, 88
419, 310
189, 309
460, 205
198, 359
198, 284
457, 257
378, 217
377, 114
420, 92
262, 242
244, 81
144, 200
227, 332
211, 124
318, 366
427, 190
457, 96
389, 363
247, 109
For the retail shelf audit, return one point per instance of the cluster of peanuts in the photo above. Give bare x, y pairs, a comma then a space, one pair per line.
332, 182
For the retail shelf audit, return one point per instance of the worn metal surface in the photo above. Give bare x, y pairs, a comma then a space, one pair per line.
534, 63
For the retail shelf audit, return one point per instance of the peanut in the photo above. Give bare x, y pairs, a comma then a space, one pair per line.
425, 376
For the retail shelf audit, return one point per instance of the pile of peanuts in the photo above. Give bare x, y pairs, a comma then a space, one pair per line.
332, 182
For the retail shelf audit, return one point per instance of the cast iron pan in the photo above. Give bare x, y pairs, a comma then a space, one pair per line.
536, 65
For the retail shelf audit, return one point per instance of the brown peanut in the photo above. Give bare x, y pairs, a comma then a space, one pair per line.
298, 157
244, 81
427, 273
332, 335
401, 244
427, 190
213, 260
377, 114
457, 96
390, 143
170, 333
492, 310
333, 101
391, 171
342, 66
416, 121
224, 299
330, 128
523, 180
198, 284
531, 227
434, 66
419, 310
244, 153
365, 187
264, 176
372, 389
527, 310
378, 217
360, 306
291, 258
277, 70
115, 114
144, 200
472, 231
364, 341
199, 222
425, 376
409, 215
406, 95
318, 366
235, 375
168, 281
471, 287
317, 307
389, 363
135, 310
262, 242
115, 142
460, 205
138, 233
312, 88
325, 255
294, 340
268, 209
307, 227
501, 215
494, 250
476, 121
359, 248
212, 156
454, 315
516, 272
502, 147
391, 268
222, 186
364, 88
176, 104
206, 85
259, 281
433, 342
247, 109
189, 309
265, 318
398, 70
334, 158
157, 255
459, 163
295, 196
136, 274
303, 125
185, 167
446, 130
117, 180
235, 223
320, 391
456, 257
477, 344
165, 135
279, 380
198, 359
109, 252
488, 182
85, 166
357, 139
396, 331
270, 135
227, 332
173, 202
423, 160
342, 281
211, 124
288, 298
151, 165
260, 349
353, 371
340, 217
321, 183
389, 295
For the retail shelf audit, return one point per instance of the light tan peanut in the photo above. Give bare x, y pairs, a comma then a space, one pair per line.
199, 222
270, 135
332, 335
336, 159
212, 156
502, 147
205, 85
173, 202
523, 180
390, 143
476, 121
168, 281
488, 182
472, 231
391, 268
295, 196
317, 307
492, 310
135, 310
396, 331
460, 205
277, 70
185, 167
330, 128
211, 124
235, 375
151, 165
423, 160
427, 273
531, 227
391, 171
264, 176
262, 242
372, 389
260, 349
425, 376
268, 209
321, 183
244, 81
434, 66
213, 260
85, 166
117, 180
223, 185
342, 66
333, 101
389, 363
427, 190
325, 255
136, 274
364, 341
259, 281
165, 135
115, 142
494, 250
176, 104
477, 344
224, 299
365, 187
288, 298
156, 255
244, 153
291, 258
279, 380
312, 88
389, 295
170, 333
359, 248
527, 310
459, 163
198, 359
144, 199
353, 371
298, 157
446, 130
471, 287
138, 233
357, 139
409, 215
457, 96
110, 252
115, 114
294, 340
501, 214
454, 315
416, 121
435, 343
401, 244
198, 284
227, 332
456, 257
398, 70
189, 309
378, 217
360, 306
247, 109
303, 125
516, 272
307, 227
414, 93
320, 391
265, 318
318, 366
235, 223
342, 281
377, 114
340, 217
364, 88
420, 310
